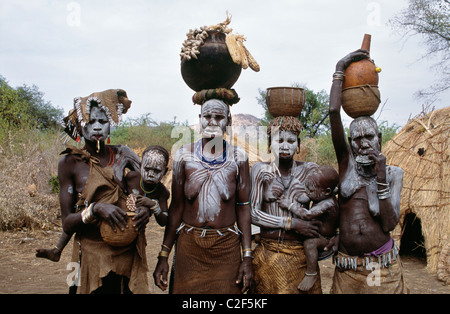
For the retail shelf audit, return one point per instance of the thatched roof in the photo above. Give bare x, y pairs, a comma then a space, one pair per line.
422, 150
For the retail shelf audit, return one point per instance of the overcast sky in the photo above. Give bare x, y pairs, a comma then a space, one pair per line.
75, 48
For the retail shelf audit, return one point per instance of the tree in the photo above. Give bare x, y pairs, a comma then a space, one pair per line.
142, 131
314, 117
14, 112
45, 115
429, 19
25, 107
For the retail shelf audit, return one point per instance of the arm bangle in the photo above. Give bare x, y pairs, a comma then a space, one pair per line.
248, 254
287, 223
87, 216
338, 75
163, 254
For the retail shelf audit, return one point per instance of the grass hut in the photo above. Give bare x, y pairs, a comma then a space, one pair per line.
422, 150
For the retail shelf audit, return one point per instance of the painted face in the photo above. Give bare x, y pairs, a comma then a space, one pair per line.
153, 167
284, 144
98, 127
214, 118
363, 139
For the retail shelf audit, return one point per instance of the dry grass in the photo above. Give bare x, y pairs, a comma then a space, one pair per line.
26, 201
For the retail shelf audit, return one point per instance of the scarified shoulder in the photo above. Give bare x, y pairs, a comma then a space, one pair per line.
261, 166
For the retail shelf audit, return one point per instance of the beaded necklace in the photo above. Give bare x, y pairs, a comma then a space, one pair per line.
211, 162
147, 192
111, 160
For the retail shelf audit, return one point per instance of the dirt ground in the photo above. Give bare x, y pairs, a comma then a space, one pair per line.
22, 273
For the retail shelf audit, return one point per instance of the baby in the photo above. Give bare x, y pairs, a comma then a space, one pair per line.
320, 189
145, 184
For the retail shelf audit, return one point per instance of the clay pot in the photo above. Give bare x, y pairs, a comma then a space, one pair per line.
362, 72
285, 101
360, 101
214, 68
119, 238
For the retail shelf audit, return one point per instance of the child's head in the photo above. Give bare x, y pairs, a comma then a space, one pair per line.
154, 164
321, 183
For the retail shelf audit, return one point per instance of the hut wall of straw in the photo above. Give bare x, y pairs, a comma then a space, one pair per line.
422, 150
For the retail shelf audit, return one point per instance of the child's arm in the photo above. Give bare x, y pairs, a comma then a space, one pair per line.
296, 208
161, 218
319, 209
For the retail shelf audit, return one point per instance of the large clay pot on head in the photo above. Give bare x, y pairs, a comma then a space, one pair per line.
214, 68
362, 72
360, 92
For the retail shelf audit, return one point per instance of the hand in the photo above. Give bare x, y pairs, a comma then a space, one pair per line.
308, 229
355, 56
145, 201
160, 273
333, 244
380, 164
284, 202
112, 214
141, 219
245, 274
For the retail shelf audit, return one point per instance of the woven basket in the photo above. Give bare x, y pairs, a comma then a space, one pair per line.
119, 238
285, 101
361, 100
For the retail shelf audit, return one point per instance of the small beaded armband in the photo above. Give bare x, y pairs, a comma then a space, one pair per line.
243, 204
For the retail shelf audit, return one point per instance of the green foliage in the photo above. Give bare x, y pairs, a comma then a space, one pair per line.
23, 109
45, 116
387, 131
320, 150
314, 117
144, 131
14, 111
54, 184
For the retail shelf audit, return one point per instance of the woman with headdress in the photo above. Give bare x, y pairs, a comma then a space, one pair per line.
279, 260
209, 216
92, 190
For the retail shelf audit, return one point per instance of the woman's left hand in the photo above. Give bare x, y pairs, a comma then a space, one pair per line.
141, 219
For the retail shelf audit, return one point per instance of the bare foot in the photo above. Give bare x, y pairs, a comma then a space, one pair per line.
307, 282
51, 254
